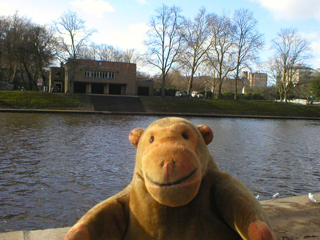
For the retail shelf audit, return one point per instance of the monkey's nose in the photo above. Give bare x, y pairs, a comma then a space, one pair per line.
167, 163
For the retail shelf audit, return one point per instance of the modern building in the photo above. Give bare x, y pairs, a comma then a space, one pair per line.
302, 73
98, 77
254, 81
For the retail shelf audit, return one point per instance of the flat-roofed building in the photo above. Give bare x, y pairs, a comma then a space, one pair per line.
255, 81
98, 77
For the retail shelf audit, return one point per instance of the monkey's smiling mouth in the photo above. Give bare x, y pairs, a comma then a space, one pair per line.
172, 183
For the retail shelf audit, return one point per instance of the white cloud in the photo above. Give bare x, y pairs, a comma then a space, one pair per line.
133, 37
95, 7
142, 1
313, 39
292, 9
138, 28
6, 9
129, 37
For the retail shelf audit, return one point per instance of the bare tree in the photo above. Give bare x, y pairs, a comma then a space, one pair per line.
72, 37
25, 47
89, 52
108, 53
4, 28
35, 53
211, 81
13, 29
247, 41
130, 56
164, 41
195, 36
221, 52
290, 51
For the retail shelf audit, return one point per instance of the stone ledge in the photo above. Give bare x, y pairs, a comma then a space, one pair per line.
47, 234
294, 218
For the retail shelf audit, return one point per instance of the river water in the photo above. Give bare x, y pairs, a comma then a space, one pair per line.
55, 167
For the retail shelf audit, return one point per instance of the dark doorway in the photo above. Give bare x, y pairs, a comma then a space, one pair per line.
97, 88
80, 87
143, 91
115, 89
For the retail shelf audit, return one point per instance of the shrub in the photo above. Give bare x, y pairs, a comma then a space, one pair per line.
228, 95
254, 96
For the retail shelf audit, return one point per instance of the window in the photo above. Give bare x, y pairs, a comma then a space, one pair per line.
104, 75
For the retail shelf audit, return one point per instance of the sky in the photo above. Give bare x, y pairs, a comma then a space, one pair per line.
124, 23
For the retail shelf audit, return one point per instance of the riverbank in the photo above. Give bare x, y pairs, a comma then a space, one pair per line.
294, 218
15, 101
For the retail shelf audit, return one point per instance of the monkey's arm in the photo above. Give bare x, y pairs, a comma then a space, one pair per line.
106, 221
240, 209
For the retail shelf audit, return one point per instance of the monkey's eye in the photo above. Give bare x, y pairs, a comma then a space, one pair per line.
185, 136
151, 139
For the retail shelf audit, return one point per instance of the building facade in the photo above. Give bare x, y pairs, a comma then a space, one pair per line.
98, 77
302, 73
254, 81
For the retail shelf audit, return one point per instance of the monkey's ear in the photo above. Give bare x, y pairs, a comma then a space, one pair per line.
135, 135
206, 133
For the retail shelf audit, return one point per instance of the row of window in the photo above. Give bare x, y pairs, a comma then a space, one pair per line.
96, 74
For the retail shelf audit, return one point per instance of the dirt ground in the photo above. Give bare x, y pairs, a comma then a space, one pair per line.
294, 218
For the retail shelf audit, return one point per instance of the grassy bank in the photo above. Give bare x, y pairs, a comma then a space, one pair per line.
59, 101
209, 106
42, 100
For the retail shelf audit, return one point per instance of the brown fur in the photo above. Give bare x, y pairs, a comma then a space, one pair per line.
177, 192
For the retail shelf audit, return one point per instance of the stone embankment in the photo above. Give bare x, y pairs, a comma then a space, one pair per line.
294, 218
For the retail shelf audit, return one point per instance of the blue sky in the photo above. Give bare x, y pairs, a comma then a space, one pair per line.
123, 23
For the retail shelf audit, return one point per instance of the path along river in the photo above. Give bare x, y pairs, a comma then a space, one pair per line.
55, 167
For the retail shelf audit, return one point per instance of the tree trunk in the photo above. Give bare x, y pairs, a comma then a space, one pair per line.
163, 89
29, 77
190, 81
190, 85
23, 80
212, 90
220, 89
286, 96
235, 88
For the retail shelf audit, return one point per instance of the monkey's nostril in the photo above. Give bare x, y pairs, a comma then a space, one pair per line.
162, 163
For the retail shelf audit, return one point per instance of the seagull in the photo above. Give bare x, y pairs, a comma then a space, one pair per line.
312, 198
258, 197
276, 195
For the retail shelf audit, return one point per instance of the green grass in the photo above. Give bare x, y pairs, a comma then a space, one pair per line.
42, 100
60, 101
267, 108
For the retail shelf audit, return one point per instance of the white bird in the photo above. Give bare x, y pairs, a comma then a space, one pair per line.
312, 198
258, 197
276, 195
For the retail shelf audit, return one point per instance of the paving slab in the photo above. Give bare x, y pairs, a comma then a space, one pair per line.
19, 235
50, 234
294, 218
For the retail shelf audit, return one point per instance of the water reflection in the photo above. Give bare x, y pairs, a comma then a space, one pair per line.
53, 168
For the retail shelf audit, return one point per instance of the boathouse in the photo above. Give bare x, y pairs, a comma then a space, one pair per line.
98, 77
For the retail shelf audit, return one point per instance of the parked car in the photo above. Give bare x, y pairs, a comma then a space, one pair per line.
194, 94
180, 94
199, 95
